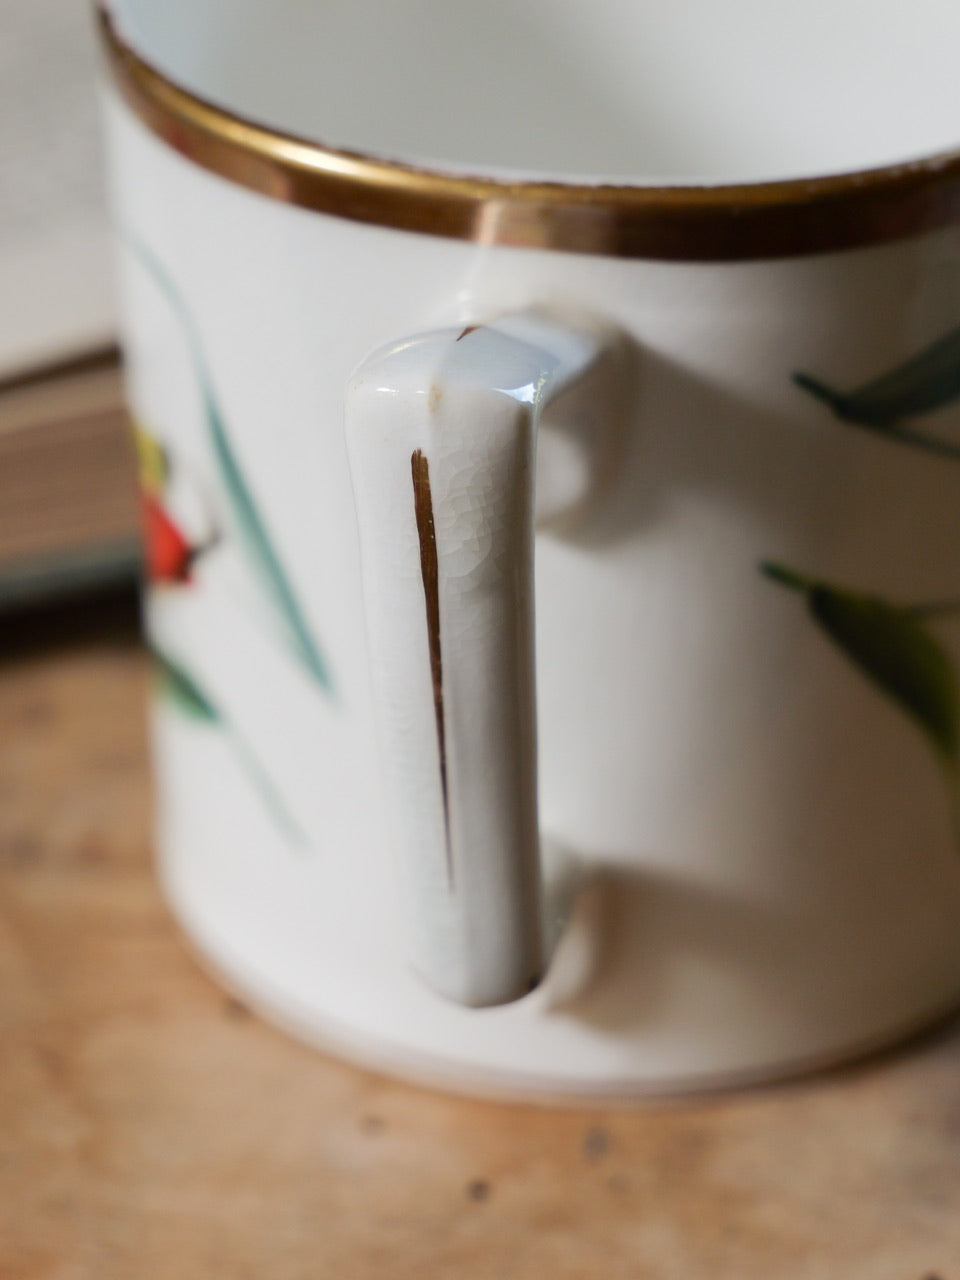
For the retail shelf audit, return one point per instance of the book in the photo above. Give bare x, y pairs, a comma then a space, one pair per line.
69, 509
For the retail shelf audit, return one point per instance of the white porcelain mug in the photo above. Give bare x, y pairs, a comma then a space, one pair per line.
702, 828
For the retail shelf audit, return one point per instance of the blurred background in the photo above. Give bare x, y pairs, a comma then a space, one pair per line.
68, 511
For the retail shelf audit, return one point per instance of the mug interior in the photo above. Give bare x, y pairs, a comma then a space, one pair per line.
649, 92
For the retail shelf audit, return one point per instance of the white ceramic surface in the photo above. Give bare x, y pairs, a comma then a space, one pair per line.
642, 90
757, 840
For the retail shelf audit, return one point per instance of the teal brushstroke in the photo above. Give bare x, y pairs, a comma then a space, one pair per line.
249, 521
183, 691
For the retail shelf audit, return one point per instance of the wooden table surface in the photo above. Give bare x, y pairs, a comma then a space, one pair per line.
152, 1129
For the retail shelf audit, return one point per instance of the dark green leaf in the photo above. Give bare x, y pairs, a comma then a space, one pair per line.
249, 522
176, 684
183, 691
926, 381
260, 547
891, 645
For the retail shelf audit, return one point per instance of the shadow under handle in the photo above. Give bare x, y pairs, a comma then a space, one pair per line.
441, 434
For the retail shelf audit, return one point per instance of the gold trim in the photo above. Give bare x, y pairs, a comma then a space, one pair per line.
719, 223
430, 576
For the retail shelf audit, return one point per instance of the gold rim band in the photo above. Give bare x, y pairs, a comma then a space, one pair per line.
757, 220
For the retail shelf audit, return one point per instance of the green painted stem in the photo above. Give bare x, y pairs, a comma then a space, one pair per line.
249, 522
267, 791
189, 697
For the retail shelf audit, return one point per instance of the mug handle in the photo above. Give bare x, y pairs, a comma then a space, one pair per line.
441, 432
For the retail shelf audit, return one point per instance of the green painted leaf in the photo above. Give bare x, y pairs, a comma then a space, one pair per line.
926, 381
183, 691
249, 523
891, 646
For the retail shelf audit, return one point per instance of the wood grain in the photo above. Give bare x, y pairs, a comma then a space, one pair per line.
151, 1129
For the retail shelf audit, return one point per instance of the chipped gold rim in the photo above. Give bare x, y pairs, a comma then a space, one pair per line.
706, 223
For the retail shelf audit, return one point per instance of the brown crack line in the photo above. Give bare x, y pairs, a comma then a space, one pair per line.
427, 535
